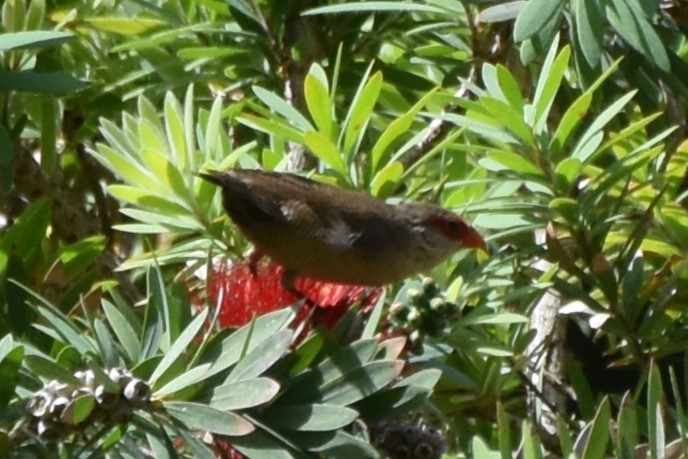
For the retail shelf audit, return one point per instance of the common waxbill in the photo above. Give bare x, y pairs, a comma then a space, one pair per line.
337, 235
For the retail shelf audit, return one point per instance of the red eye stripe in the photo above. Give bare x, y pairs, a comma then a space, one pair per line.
451, 226
455, 228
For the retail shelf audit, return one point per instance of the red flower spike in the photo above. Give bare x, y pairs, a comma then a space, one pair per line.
248, 289
224, 450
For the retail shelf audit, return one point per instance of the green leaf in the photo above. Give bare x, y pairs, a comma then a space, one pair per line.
501, 12
183, 381
406, 396
153, 150
655, 421
118, 139
282, 107
628, 131
65, 329
598, 438
34, 39
361, 382
568, 124
627, 436
196, 446
179, 346
534, 16
515, 162
174, 127
361, 108
11, 358
326, 150
319, 103
347, 360
138, 229
509, 118
149, 126
131, 172
531, 445
143, 198
632, 25
315, 417
179, 223
386, 179
166, 172
78, 409
477, 317
229, 350
23, 235
262, 357
40, 83
590, 30
189, 124
124, 25
247, 393
35, 15
489, 77
160, 445
510, 88
6, 346
156, 332
481, 450
548, 85
48, 369
613, 175
123, 330
565, 174
202, 417
260, 445
78, 256
359, 7
538, 44
345, 446
582, 151
397, 128
209, 52
272, 127
374, 318
212, 131
106, 344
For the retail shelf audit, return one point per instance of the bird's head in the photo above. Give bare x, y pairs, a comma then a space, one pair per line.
439, 231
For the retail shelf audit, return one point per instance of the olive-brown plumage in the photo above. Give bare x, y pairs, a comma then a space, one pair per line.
337, 235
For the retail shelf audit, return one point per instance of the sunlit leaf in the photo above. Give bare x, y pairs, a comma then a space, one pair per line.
202, 417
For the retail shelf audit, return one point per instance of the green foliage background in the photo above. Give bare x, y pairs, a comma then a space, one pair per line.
556, 127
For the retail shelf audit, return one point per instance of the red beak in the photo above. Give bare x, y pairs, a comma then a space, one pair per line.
473, 240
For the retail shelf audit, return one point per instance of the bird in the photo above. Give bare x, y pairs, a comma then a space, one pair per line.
338, 235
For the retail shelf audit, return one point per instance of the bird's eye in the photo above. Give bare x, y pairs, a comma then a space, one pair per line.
452, 226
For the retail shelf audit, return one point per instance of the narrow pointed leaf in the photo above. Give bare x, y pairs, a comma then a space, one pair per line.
319, 104
316, 417
244, 394
361, 109
179, 346
262, 357
202, 417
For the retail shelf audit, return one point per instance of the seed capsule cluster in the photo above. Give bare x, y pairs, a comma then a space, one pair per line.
408, 441
422, 312
60, 408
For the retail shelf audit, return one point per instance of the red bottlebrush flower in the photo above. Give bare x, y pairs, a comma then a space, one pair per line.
224, 450
242, 293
